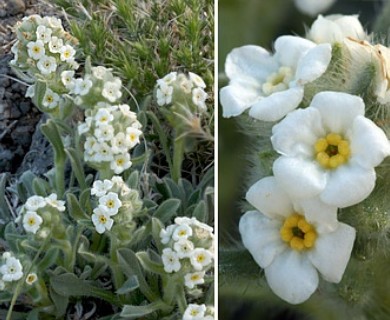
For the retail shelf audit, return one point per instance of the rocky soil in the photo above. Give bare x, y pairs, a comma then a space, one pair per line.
22, 147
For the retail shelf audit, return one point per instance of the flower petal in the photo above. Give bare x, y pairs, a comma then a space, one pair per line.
235, 98
289, 49
314, 63
299, 177
277, 105
292, 277
271, 200
249, 63
348, 184
312, 8
297, 133
260, 236
369, 144
322, 215
338, 110
332, 252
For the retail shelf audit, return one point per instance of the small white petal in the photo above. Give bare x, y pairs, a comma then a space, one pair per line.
277, 105
260, 235
299, 177
314, 63
369, 144
271, 200
289, 49
292, 277
235, 99
332, 252
338, 110
298, 132
348, 184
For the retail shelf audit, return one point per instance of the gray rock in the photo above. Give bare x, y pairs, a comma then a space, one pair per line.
15, 6
2, 91
25, 107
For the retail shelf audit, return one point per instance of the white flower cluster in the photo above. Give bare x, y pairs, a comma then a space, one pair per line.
116, 202
178, 86
43, 46
198, 312
328, 152
34, 209
188, 249
111, 131
11, 269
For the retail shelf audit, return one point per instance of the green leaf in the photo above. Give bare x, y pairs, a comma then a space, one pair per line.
77, 167
40, 187
5, 213
52, 134
150, 265
88, 65
49, 259
130, 285
200, 211
133, 180
130, 266
61, 302
26, 180
74, 208
5, 296
136, 312
69, 285
167, 210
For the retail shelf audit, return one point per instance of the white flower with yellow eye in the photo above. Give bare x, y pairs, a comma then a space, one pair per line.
329, 150
120, 163
111, 203
52, 201
182, 232
112, 90
194, 312
197, 80
36, 50
31, 278
102, 152
294, 240
12, 270
104, 133
119, 143
193, 279
101, 220
132, 136
184, 248
47, 65
44, 34
67, 53
201, 258
100, 188
170, 261
55, 44
67, 79
32, 221
81, 86
50, 99
199, 97
103, 117
272, 86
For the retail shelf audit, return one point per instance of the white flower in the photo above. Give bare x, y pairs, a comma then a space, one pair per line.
120, 163
31, 278
103, 117
272, 86
67, 53
200, 258
125, 109
111, 203
192, 279
36, 50
32, 221
329, 150
102, 152
184, 248
166, 234
55, 45
182, 232
132, 135
293, 240
164, 94
82, 128
112, 90
120, 143
67, 79
12, 270
194, 312
168, 79
34, 203
104, 133
197, 81
47, 65
58, 204
99, 72
170, 260
44, 34
312, 8
53, 22
100, 188
81, 86
184, 83
335, 28
50, 99
199, 97
101, 219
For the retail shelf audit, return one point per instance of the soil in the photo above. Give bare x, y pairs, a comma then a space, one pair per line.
22, 146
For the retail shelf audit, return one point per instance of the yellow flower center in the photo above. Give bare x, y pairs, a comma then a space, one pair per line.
194, 312
31, 221
102, 219
36, 49
30, 278
332, 151
133, 137
200, 258
110, 204
49, 99
298, 233
195, 277
278, 81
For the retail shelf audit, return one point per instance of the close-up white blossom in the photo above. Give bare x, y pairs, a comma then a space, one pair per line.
271, 86
32, 221
100, 188
329, 150
12, 270
170, 260
33, 203
294, 240
193, 279
102, 219
47, 65
36, 50
52, 201
194, 312
111, 203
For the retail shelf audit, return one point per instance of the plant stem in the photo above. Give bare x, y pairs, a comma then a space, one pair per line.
178, 155
60, 175
181, 299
